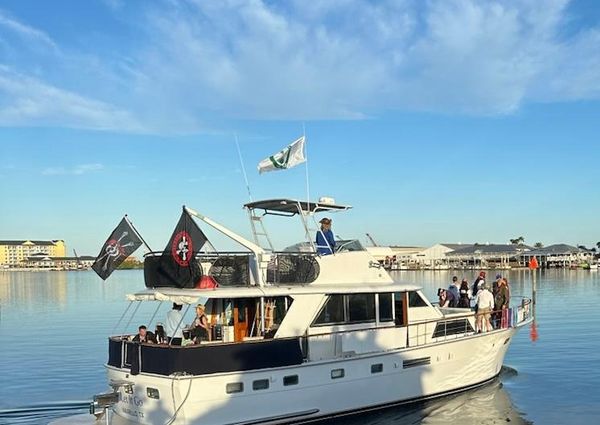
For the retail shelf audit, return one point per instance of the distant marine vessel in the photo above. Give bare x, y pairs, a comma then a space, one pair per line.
295, 336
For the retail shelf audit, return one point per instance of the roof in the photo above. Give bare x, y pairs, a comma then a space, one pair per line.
490, 249
557, 249
191, 296
456, 246
21, 242
293, 206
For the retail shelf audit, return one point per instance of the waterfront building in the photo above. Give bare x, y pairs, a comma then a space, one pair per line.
436, 256
41, 261
14, 253
559, 255
493, 256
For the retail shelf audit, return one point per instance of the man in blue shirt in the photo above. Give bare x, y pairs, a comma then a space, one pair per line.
325, 241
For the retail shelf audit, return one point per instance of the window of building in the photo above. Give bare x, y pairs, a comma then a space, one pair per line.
234, 387
290, 380
260, 384
385, 308
361, 308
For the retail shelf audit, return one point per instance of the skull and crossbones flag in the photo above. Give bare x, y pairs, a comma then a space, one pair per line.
121, 243
178, 260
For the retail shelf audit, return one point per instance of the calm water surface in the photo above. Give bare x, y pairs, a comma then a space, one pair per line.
53, 329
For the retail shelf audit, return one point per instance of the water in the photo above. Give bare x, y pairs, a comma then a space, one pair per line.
53, 328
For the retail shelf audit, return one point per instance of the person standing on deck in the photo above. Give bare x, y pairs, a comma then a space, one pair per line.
173, 325
465, 300
502, 299
325, 240
485, 303
453, 289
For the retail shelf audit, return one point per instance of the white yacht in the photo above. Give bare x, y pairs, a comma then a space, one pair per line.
296, 336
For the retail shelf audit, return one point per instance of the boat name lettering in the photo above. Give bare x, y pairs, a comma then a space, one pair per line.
131, 399
131, 412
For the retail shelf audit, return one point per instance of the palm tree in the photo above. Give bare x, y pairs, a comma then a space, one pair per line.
517, 241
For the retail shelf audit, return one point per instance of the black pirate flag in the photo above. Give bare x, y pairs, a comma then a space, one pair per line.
178, 262
121, 243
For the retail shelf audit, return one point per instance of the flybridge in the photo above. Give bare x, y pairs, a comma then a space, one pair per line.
292, 207
306, 210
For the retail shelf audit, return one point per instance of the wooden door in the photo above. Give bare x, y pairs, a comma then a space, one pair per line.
244, 312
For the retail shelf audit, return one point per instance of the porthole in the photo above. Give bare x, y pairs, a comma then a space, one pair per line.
377, 368
337, 373
290, 380
152, 393
260, 384
234, 387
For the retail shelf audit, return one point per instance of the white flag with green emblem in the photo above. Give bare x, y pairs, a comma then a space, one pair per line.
287, 158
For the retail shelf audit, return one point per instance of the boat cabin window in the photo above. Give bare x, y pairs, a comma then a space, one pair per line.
340, 309
385, 308
361, 308
399, 308
332, 312
415, 300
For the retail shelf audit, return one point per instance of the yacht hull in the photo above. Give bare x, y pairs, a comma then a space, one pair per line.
324, 389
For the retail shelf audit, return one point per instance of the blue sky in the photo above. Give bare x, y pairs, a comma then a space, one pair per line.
437, 120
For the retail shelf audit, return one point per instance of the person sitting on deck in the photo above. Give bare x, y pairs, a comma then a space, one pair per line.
325, 240
200, 327
160, 334
174, 328
144, 336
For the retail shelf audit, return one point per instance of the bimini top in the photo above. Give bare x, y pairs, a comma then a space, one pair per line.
292, 207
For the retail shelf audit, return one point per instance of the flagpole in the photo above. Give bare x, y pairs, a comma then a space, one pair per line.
137, 233
237, 144
306, 167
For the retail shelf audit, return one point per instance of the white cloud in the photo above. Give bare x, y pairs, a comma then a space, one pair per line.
353, 58
26, 31
28, 101
197, 62
77, 170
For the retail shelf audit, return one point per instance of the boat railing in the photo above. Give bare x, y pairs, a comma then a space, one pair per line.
453, 326
418, 333
263, 352
298, 268
225, 268
233, 269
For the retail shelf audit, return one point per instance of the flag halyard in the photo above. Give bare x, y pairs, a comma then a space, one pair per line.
121, 243
289, 157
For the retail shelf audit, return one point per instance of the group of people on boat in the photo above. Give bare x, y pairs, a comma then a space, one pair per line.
175, 332
492, 307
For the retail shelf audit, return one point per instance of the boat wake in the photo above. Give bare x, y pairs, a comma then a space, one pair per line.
42, 413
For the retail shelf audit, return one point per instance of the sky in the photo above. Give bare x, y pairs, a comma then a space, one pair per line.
438, 121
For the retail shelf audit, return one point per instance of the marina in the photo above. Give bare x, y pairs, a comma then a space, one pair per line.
170, 256
77, 306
